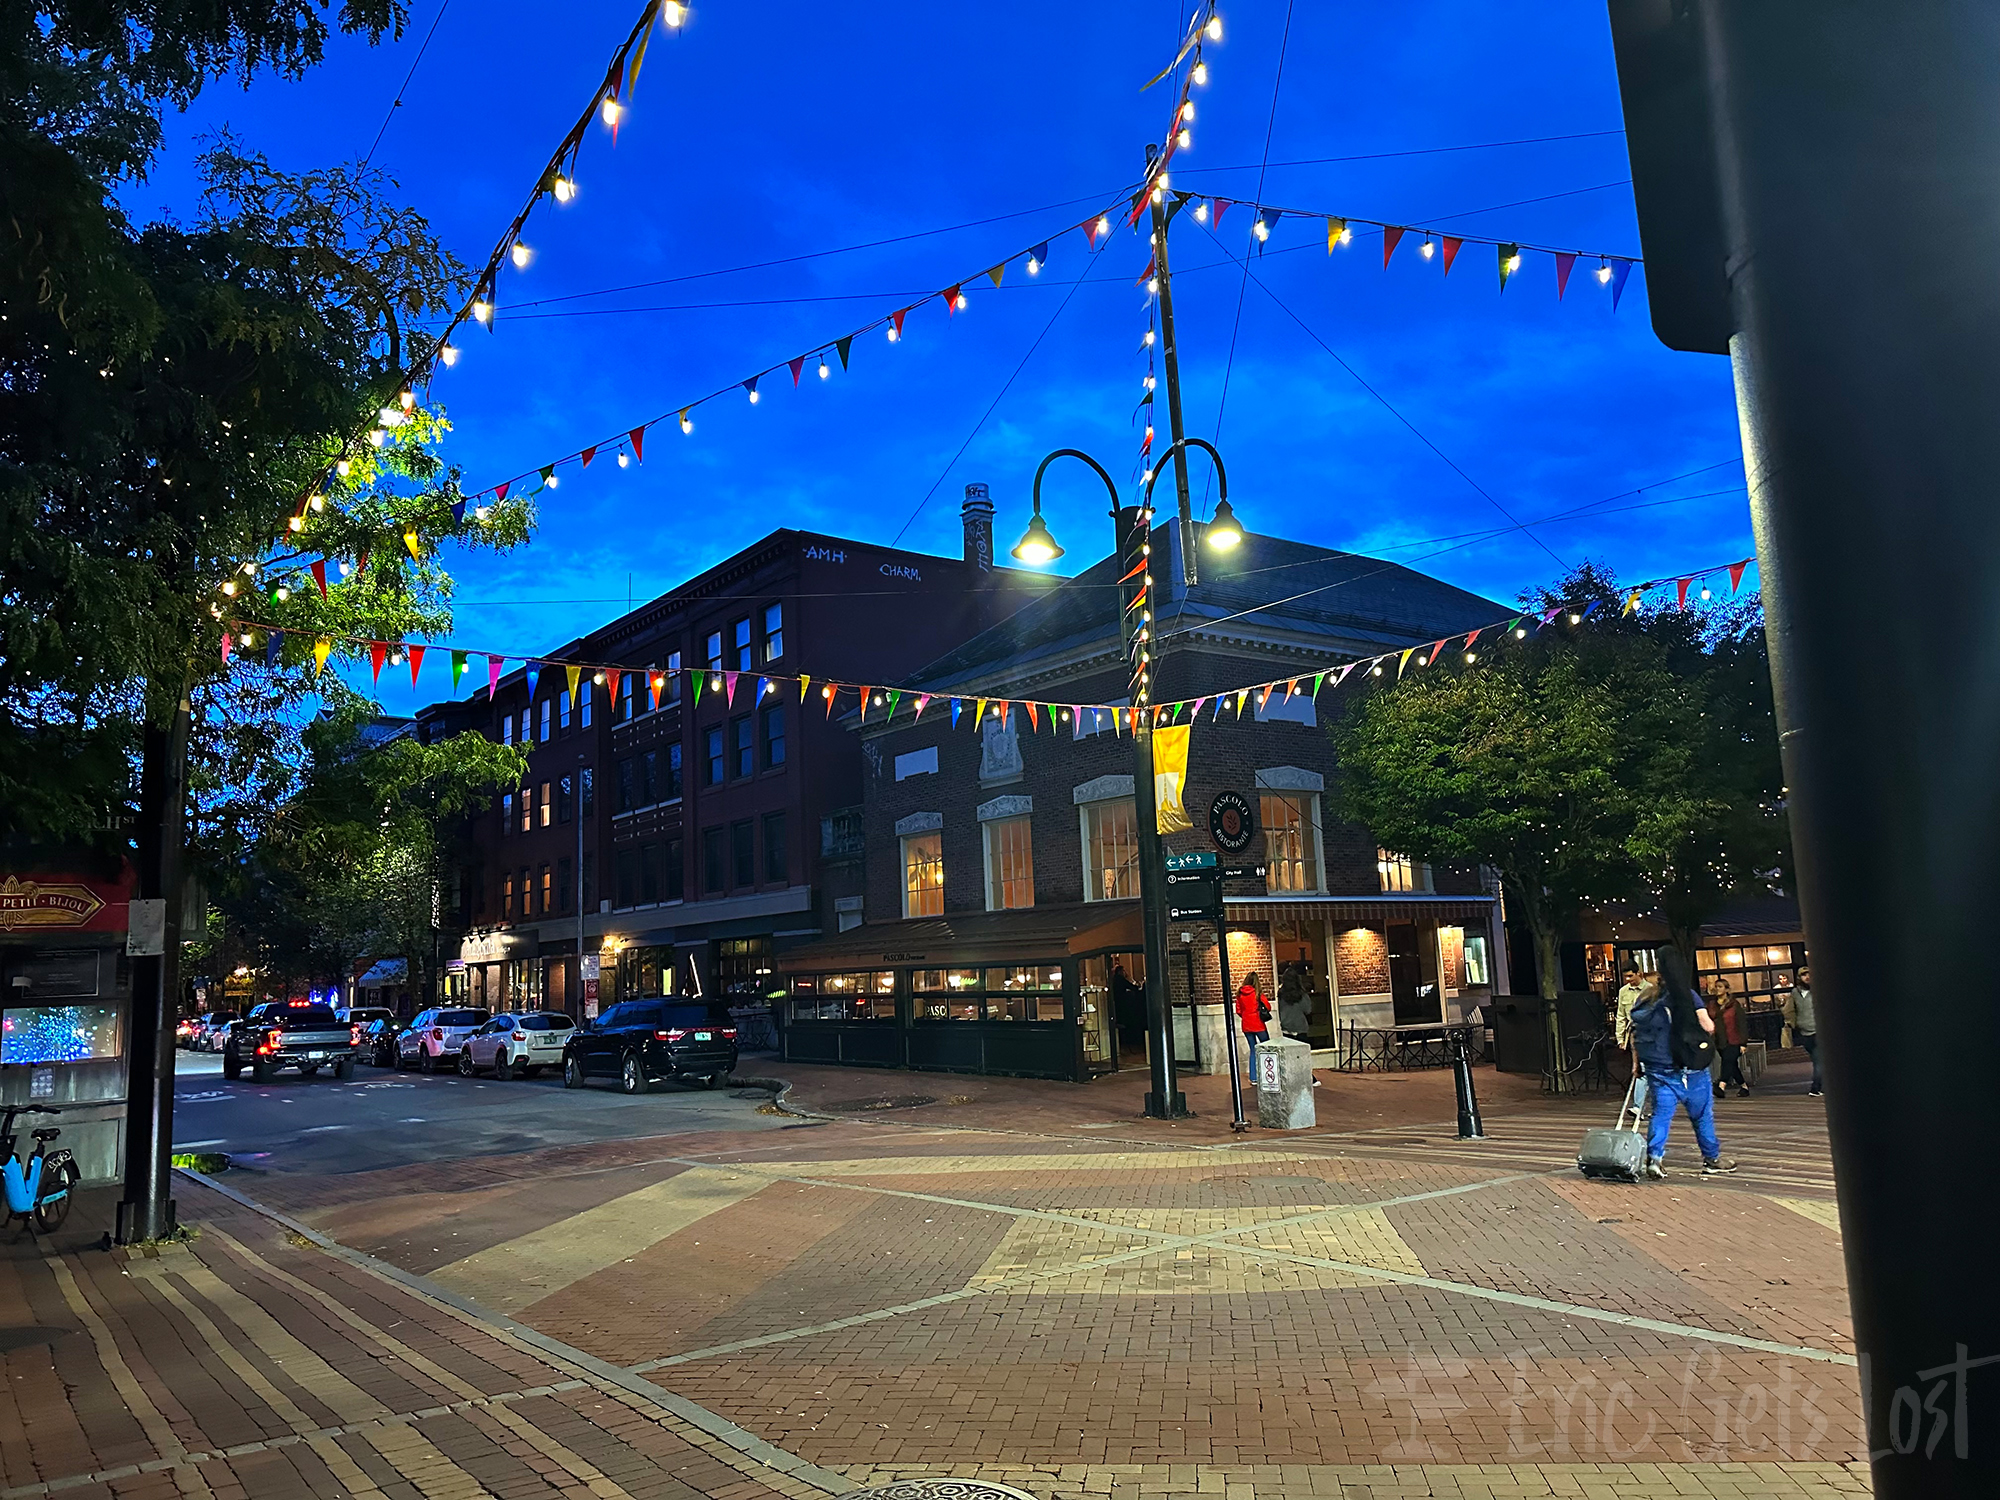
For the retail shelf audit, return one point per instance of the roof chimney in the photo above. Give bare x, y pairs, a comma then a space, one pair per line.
978, 517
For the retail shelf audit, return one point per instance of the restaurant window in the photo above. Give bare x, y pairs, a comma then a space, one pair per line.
548, 707
562, 712
673, 881
1761, 974
715, 651
774, 631
947, 994
1010, 863
649, 777
775, 863
1291, 841
565, 884
1478, 968
717, 767
565, 800
1110, 850
742, 964
670, 690
743, 739
548, 891
672, 789
1025, 992
923, 875
774, 737
507, 898
625, 878
866, 996
714, 875
548, 806
742, 853
649, 874
745, 660
1400, 873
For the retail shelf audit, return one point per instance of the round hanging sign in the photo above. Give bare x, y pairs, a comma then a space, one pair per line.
1232, 822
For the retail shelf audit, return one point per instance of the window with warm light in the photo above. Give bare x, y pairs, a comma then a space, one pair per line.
1400, 874
1010, 863
527, 808
548, 806
1110, 850
1291, 841
923, 875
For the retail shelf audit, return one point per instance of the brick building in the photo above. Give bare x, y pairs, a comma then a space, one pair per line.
1001, 862
684, 842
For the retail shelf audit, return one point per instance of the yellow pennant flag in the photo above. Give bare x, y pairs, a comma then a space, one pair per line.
1336, 231
575, 681
1404, 661
805, 682
1170, 764
997, 272
1631, 603
979, 713
322, 648
410, 541
1242, 698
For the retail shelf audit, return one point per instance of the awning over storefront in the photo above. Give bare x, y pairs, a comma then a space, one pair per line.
1372, 908
974, 937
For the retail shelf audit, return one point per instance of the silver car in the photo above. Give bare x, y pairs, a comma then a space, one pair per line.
514, 1046
438, 1035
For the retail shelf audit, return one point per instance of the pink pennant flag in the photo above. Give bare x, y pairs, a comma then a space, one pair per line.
493, 666
1392, 236
1197, 706
1222, 206
1450, 251
500, 490
923, 702
1564, 264
1681, 587
416, 661
729, 688
796, 366
228, 643
1342, 677
1736, 574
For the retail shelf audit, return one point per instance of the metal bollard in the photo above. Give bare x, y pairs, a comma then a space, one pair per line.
1470, 1128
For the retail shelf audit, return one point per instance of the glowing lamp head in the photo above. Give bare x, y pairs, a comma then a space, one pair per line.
673, 12
1103, 224
229, 588
1430, 249
342, 467
520, 254
755, 397
482, 310
1261, 230
687, 425
564, 189
824, 372
1201, 213
624, 460
1225, 532
894, 333
1200, 74
449, 354
318, 502
1037, 546
1185, 138
611, 111
554, 481
1214, 28
959, 303
284, 594
1034, 266
378, 437
297, 523
598, 678
1603, 275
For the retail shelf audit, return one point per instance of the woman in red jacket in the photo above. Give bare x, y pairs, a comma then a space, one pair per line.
1252, 1011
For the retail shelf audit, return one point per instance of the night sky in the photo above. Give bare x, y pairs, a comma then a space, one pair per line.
781, 130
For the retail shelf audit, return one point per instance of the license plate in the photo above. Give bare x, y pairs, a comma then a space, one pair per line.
704, 1036
310, 1055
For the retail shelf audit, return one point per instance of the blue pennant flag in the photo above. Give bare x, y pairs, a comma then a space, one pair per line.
272, 647
1620, 269
458, 513
534, 670
954, 713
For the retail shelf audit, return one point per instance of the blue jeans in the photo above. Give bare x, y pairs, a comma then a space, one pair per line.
1810, 1041
1689, 1089
1253, 1038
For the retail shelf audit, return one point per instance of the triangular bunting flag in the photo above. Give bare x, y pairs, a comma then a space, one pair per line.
1269, 217
1034, 719
896, 320
1264, 701
457, 668
923, 702
895, 697
950, 295
1510, 262
361, 563
1450, 250
1474, 636
534, 671
1290, 688
955, 707
654, 682
228, 642
1631, 602
1039, 256
841, 346
548, 472
1565, 263
1242, 698
1336, 231
750, 385
1392, 236
805, 683
1222, 206
458, 513
1093, 227
1318, 678
587, 455
500, 490
1620, 269
410, 541
1004, 706
729, 689
700, 680
997, 272
979, 713
763, 687
378, 652
322, 648
612, 677
1736, 574
1342, 677
416, 661
575, 675
637, 437
828, 693
493, 666
1681, 588
797, 367
1405, 662
318, 571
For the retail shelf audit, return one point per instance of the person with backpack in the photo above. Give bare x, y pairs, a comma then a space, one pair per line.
1674, 1035
1253, 1012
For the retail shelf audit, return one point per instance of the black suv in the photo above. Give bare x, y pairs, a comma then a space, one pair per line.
642, 1042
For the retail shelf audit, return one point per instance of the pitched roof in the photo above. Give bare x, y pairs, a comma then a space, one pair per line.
1269, 590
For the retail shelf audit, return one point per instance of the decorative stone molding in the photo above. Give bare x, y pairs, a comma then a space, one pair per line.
1006, 807
1290, 779
925, 822
1103, 789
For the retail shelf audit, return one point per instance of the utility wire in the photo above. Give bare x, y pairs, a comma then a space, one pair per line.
1326, 161
397, 103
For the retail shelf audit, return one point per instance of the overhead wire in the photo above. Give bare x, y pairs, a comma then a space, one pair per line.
403, 87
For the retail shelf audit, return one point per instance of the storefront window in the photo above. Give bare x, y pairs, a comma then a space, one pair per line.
1024, 994
1010, 864
923, 875
1762, 974
1291, 842
1110, 850
1400, 873
866, 996
1477, 970
60, 1034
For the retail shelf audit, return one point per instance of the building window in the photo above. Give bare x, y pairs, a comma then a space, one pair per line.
507, 730
776, 866
548, 708
589, 695
548, 806
527, 894
527, 808
548, 891
1110, 850
628, 697
670, 690
676, 886
649, 874
589, 800
562, 713
717, 770
917, 763
1291, 841
774, 631
743, 737
745, 659
774, 737
1401, 873
626, 787
507, 814
565, 798
715, 651
1010, 864
923, 875
742, 854
649, 778
714, 875
527, 724
672, 790
624, 871
565, 884
507, 898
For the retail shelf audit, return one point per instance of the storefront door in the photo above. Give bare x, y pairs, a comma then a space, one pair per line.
1303, 993
1413, 972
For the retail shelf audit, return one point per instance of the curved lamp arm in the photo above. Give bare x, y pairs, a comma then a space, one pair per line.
1109, 484
1221, 474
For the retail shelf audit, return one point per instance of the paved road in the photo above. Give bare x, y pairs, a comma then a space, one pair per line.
385, 1119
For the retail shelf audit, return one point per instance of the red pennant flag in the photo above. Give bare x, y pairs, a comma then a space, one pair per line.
228, 643
1221, 208
416, 661
950, 295
361, 563
1681, 586
797, 365
1736, 574
638, 437
318, 571
612, 676
1474, 636
1391, 237
1034, 719
500, 490
1139, 200
897, 317
1450, 251
1152, 265
588, 454
827, 693
378, 652
1090, 229
653, 683
1563, 264
1004, 706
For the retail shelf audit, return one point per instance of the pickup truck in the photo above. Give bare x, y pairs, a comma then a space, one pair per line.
291, 1034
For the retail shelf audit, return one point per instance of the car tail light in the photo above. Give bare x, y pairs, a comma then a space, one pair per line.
354, 1035
675, 1035
272, 1041
520, 1036
437, 1033
729, 1033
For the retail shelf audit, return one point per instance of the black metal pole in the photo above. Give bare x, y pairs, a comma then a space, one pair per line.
1470, 1126
1170, 364
146, 1212
1229, 1019
1856, 202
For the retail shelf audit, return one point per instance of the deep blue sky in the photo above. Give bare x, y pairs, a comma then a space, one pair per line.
782, 128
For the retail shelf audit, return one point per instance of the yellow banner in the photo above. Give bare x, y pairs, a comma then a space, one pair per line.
1170, 764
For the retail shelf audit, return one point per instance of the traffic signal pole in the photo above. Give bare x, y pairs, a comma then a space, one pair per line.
1819, 197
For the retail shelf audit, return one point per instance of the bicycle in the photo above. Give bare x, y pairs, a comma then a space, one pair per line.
37, 1191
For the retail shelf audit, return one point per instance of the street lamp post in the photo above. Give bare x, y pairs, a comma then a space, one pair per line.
1133, 551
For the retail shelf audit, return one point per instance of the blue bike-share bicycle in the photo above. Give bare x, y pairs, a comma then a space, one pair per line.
38, 1189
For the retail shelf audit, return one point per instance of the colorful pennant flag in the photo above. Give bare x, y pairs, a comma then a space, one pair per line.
1565, 263
1736, 574
322, 648
457, 668
1620, 269
378, 652
1510, 262
575, 676
493, 666
637, 437
1392, 236
416, 662
841, 346
1450, 246
318, 571
534, 671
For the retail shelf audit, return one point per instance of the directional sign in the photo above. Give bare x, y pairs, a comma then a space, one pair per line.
1201, 859
1243, 872
1192, 894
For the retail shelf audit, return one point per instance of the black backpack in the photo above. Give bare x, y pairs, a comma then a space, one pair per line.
1692, 1046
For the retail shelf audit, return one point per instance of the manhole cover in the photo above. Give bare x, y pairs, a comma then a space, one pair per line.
897, 1101
940, 1489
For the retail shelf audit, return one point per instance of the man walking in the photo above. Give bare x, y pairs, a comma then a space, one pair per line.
1674, 1034
1805, 1025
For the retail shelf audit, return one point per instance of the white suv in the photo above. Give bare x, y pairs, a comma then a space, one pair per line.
522, 1044
435, 1035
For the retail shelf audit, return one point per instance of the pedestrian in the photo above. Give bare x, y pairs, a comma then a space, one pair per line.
1628, 996
1253, 1011
1294, 1007
1800, 1017
1730, 1034
1674, 1033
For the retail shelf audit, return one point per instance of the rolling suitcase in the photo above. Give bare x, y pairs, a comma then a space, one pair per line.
1619, 1152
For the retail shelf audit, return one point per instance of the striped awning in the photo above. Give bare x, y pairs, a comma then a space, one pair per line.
1376, 908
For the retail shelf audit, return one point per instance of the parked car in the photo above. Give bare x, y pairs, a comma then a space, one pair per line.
641, 1042
437, 1033
378, 1041
291, 1034
361, 1015
205, 1031
523, 1044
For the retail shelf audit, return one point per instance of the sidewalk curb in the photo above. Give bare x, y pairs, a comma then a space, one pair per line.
716, 1426
780, 1087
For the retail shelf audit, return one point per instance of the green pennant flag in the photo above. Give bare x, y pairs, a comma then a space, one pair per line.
895, 696
457, 668
699, 679
841, 346
1318, 678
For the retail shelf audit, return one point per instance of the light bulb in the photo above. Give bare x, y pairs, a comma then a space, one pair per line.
1034, 266
1346, 235
1103, 224
378, 437
1187, 111
1200, 74
388, 416
686, 424
564, 189
1376, 673
1158, 194
481, 512
1603, 275
1201, 213
1706, 594
229, 588
1149, 382
878, 700
297, 523
960, 303
1150, 336
1513, 264
1261, 230
1470, 657
1153, 285
342, 467
612, 110
1576, 619
673, 12
1521, 635
554, 481
1186, 139
449, 354
343, 570
624, 460
824, 372
520, 255
893, 334
244, 638
1429, 250
283, 595
482, 310
1161, 182
755, 397
1214, 28
318, 502
598, 678
408, 398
